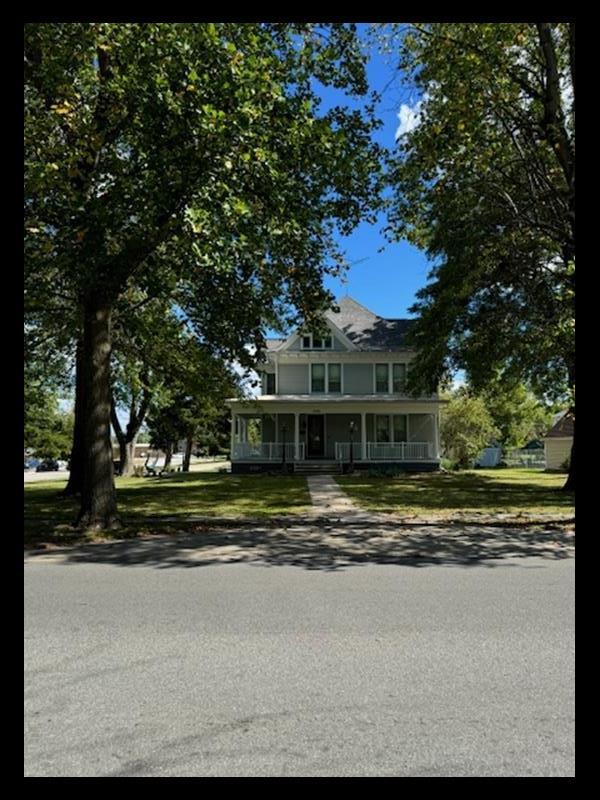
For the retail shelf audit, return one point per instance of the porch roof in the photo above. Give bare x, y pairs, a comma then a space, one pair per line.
312, 400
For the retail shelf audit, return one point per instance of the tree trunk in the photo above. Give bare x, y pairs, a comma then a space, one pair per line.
570, 484
75, 483
127, 439
188, 454
98, 499
168, 454
128, 456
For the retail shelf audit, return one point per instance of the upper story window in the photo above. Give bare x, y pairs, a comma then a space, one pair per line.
317, 377
334, 378
326, 375
313, 342
270, 383
382, 378
398, 378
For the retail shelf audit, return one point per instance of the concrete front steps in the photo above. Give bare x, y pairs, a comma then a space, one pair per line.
317, 468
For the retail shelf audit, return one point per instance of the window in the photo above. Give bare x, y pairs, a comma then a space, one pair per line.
400, 428
311, 342
334, 377
381, 378
398, 378
382, 428
270, 383
317, 372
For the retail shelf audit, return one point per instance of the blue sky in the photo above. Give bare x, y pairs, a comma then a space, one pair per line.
385, 282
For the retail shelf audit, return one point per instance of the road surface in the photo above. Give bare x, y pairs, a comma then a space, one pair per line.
137, 667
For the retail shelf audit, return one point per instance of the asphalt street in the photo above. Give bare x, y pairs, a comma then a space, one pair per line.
230, 669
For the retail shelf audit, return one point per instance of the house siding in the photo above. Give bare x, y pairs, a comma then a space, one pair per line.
293, 379
557, 451
358, 378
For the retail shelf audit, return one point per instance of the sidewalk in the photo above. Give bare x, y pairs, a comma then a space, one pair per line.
329, 500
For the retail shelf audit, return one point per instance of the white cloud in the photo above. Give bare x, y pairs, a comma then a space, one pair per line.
409, 118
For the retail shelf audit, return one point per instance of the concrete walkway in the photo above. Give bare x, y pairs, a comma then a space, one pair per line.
329, 500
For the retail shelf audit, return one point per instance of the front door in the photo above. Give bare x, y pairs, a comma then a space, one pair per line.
315, 430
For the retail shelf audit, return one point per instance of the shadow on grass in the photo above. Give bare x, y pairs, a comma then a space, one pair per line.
177, 495
499, 491
330, 546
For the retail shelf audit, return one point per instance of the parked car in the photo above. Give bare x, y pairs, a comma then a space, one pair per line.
47, 465
31, 463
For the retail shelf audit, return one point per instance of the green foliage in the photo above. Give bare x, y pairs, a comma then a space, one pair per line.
191, 162
517, 414
466, 428
449, 464
47, 430
485, 185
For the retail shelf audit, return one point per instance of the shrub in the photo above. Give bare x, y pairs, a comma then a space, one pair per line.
450, 464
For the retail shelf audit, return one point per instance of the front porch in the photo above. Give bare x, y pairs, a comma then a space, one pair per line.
263, 440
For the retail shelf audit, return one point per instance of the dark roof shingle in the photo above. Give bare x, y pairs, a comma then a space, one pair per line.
563, 427
366, 330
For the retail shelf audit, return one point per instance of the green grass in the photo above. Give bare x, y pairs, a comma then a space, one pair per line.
181, 495
512, 491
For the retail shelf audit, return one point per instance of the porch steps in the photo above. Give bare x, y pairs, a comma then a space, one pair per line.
327, 468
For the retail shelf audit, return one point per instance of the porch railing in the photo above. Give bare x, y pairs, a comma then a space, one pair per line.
385, 451
267, 451
399, 451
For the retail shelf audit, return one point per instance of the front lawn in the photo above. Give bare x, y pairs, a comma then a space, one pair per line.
458, 494
143, 500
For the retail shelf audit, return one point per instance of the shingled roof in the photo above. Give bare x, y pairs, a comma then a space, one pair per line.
563, 427
366, 330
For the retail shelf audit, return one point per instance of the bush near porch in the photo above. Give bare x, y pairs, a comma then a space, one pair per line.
143, 501
443, 495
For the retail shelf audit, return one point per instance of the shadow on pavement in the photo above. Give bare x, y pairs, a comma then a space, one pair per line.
329, 546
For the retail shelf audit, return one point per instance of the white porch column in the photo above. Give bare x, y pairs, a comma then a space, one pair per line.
363, 435
297, 435
437, 434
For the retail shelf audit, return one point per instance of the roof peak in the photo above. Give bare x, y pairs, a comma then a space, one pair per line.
346, 299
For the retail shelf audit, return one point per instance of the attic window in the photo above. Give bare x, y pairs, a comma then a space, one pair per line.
312, 342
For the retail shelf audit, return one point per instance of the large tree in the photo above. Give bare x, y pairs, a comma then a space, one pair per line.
188, 160
485, 184
466, 427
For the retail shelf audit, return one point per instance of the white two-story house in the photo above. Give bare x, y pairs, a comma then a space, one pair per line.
337, 398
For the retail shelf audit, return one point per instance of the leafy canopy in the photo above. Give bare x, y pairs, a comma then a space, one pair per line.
484, 183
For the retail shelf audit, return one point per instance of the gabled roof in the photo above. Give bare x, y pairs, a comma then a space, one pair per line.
563, 427
364, 329
274, 344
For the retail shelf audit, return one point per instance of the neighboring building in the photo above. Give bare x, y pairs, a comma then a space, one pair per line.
489, 457
559, 441
141, 450
337, 397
